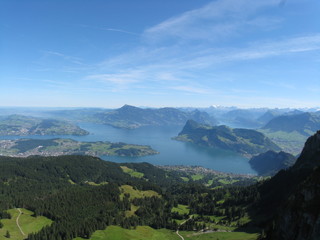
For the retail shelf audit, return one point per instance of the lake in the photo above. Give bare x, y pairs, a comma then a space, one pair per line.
172, 152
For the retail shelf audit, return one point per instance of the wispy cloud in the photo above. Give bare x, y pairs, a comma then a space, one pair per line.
72, 59
190, 89
133, 67
118, 78
109, 29
120, 31
215, 20
278, 84
183, 52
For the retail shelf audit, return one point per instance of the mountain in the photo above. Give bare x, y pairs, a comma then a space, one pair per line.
81, 114
303, 123
19, 125
243, 117
291, 198
134, 117
244, 141
269, 115
270, 162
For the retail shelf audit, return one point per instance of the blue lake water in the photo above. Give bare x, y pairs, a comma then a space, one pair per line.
172, 152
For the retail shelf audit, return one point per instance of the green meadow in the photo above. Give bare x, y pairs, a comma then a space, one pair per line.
134, 193
27, 222
219, 236
132, 172
140, 233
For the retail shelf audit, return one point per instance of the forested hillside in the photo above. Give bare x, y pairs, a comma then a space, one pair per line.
270, 162
82, 194
244, 141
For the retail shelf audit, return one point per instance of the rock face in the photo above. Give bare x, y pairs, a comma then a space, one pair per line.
300, 218
244, 141
310, 155
271, 162
294, 197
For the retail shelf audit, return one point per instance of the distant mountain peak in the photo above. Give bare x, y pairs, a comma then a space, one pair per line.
126, 106
191, 124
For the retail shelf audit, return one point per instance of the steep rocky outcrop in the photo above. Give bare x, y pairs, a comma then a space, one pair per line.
293, 196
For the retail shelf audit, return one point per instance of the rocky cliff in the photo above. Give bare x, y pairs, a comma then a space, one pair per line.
294, 195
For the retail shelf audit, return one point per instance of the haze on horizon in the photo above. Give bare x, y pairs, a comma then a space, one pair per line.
82, 53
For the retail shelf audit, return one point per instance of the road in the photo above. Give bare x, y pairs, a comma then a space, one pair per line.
17, 222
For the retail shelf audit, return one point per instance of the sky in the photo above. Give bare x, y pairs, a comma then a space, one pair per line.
177, 53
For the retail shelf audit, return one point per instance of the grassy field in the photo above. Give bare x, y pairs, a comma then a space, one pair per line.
140, 233
185, 179
96, 184
132, 172
131, 212
148, 233
27, 223
197, 177
136, 193
181, 209
227, 181
219, 236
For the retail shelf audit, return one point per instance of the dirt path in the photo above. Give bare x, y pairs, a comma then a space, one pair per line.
17, 222
177, 232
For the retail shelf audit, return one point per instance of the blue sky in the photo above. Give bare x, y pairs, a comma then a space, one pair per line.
99, 53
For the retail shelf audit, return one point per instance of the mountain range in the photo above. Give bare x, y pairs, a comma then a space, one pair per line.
303, 123
134, 117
